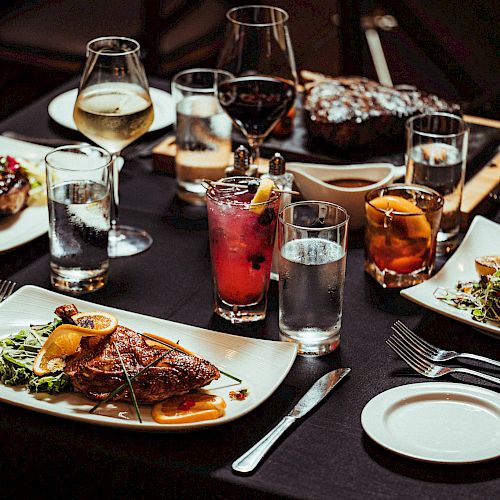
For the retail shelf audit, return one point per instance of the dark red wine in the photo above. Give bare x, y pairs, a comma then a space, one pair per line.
256, 103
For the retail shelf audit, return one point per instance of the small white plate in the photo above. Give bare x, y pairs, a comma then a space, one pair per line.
482, 238
33, 221
61, 109
261, 364
442, 422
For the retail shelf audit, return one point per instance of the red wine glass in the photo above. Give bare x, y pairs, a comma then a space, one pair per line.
258, 54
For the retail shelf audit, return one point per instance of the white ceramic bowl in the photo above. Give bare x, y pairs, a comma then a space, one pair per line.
310, 179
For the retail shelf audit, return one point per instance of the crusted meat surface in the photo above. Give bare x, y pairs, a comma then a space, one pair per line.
14, 189
96, 369
354, 111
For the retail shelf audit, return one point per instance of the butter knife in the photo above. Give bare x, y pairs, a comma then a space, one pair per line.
319, 390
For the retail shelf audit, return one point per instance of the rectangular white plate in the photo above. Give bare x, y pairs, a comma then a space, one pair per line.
33, 221
482, 238
261, 364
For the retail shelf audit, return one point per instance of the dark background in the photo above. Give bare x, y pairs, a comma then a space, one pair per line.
449, 47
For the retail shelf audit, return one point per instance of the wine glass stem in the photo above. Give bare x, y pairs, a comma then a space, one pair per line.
115, 196
255, 144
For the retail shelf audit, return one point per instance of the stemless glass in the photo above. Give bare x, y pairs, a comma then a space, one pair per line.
113, 109
258, 55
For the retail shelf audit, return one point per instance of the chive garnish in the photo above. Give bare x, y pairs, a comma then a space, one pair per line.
131, 388
180, 350
124, 385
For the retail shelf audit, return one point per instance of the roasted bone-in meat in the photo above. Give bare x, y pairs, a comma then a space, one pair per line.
95, 369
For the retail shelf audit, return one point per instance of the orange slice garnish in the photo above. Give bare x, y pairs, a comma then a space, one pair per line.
65, 340
188, 408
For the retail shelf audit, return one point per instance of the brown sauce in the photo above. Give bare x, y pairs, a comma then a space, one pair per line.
350, 183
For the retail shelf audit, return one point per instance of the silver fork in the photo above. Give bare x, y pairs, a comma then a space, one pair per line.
432, 352
425, 367
6, 288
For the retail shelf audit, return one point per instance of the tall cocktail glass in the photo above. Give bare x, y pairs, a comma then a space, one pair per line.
241, 246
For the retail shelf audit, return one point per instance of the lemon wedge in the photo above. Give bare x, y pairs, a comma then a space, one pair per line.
262, 195
188, 408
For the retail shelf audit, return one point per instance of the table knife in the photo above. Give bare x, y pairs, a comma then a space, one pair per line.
319, 390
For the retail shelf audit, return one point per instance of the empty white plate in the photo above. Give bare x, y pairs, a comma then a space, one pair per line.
61, 109
442, 422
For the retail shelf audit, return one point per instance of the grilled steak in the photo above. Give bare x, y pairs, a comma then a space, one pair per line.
95, 369
355, 111
14, 189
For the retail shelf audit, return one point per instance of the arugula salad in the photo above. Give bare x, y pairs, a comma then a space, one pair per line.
17, 354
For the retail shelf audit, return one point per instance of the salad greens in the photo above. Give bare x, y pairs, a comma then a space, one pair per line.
481, 297
17, 354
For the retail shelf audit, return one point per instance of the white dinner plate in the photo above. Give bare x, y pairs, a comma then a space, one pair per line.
61, 109
442, 422
261, 364
482, 238
33, 221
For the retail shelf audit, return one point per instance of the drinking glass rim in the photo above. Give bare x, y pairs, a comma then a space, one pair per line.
314, 202
411, 120
237, 203
417, 187
69, 147
257, 25
185, 87
122, 53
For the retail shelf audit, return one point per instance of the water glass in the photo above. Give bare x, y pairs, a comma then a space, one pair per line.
203, 132
313, 249
402, 222
78, 191
241, 247
436, 157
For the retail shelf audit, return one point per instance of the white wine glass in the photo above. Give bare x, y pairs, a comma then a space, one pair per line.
258, 55
113, 109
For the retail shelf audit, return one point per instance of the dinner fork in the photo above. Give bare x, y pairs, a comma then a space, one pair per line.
6, 288
425, 367
432, 352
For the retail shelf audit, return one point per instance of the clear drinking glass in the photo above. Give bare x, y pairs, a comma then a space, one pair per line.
203, 133
436, 157
79, 194
241, 247
402, 222
258, 54
313, 249
113, 109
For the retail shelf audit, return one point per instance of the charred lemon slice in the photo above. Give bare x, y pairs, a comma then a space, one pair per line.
262, 195
414, 226
188, 408
103, 322
62, 342
488, 264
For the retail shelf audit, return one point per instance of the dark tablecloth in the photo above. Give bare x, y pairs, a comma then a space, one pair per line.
327, 455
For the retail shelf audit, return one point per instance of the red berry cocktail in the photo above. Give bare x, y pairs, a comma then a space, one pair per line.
242, 214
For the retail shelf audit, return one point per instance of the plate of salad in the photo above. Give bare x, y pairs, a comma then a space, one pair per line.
32, 221
458, 290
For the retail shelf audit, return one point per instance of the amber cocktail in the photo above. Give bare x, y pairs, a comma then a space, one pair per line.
402, 222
